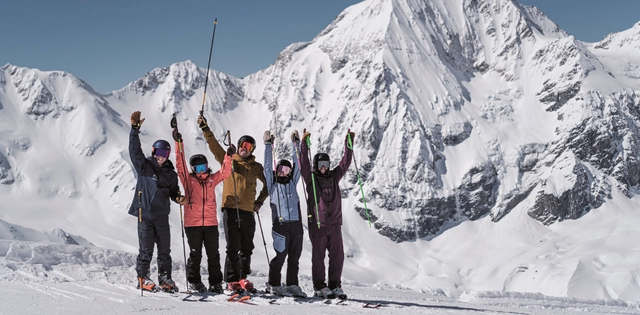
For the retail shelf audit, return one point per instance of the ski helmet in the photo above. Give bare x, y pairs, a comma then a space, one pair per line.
199, 163
198, 159
162, 148
320, 157
248, 139
284, 164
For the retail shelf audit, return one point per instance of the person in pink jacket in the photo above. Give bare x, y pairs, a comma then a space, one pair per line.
200, 214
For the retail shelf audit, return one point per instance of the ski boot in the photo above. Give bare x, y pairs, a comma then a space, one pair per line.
247, 286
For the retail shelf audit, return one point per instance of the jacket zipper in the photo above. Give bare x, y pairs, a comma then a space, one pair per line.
204, 192
140, 204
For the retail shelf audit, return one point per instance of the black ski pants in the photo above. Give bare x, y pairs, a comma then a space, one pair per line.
287, 242
323, 240
197, 236
154, 232
240, 246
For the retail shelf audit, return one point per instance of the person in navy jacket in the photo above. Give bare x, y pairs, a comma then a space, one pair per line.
157, 183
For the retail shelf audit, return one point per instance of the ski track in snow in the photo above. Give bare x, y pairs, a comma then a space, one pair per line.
107, 287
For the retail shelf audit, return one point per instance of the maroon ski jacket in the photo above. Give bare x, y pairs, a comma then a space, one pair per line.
327, 188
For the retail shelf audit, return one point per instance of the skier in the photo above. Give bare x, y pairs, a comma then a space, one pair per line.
238, 207
157, 183
323, 182
287, 228
200, 215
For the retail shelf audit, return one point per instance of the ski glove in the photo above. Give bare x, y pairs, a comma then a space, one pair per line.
231, 150
350, 134
136, 122
295, 137
202, 122
267, 137
256, 206
305, 135
176, 135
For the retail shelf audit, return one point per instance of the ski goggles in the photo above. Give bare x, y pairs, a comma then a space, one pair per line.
162, 152
283, 169
200, 168
247, 146
324, 164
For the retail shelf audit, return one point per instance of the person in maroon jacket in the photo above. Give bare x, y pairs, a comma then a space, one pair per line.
200, 214
325, 221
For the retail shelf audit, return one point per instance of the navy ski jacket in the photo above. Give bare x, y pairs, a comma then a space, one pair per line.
156, 184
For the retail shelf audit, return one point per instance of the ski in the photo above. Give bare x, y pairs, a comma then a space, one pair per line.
370, 305
239, 297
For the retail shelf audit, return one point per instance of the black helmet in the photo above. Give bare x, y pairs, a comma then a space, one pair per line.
162, 145
285, 163
320, 157
249, 139
283, 179
198, 159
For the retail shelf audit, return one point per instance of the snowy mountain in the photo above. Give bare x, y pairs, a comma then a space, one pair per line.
438, 92
481, 127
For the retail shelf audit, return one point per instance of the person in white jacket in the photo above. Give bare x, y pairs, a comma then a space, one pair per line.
287, 228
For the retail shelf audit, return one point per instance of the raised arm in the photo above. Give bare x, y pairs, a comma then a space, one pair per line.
268, 163
135, 148
224, 171
305, 165
181, 166
342, 168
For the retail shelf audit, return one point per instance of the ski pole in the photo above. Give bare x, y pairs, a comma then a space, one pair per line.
313, 181
233, 175
263, 241
364, 201
174, 124
206, 80
273, 157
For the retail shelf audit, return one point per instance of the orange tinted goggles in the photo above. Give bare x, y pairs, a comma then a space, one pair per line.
247, 146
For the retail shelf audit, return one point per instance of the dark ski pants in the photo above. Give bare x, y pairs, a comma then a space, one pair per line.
209, 237
323, 239
287, 241
154, 232
240, 247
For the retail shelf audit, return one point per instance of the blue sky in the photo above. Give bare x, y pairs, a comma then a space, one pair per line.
112, 43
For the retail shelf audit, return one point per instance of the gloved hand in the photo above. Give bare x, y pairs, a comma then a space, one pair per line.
256, 206
176, 135
295, 137
231, 150
305, 134
181, 200
351, 135
136, 122
202, 122
267, 137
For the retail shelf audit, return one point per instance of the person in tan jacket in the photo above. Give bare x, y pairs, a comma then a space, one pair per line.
239, 204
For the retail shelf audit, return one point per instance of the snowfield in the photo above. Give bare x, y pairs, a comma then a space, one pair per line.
58, 278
